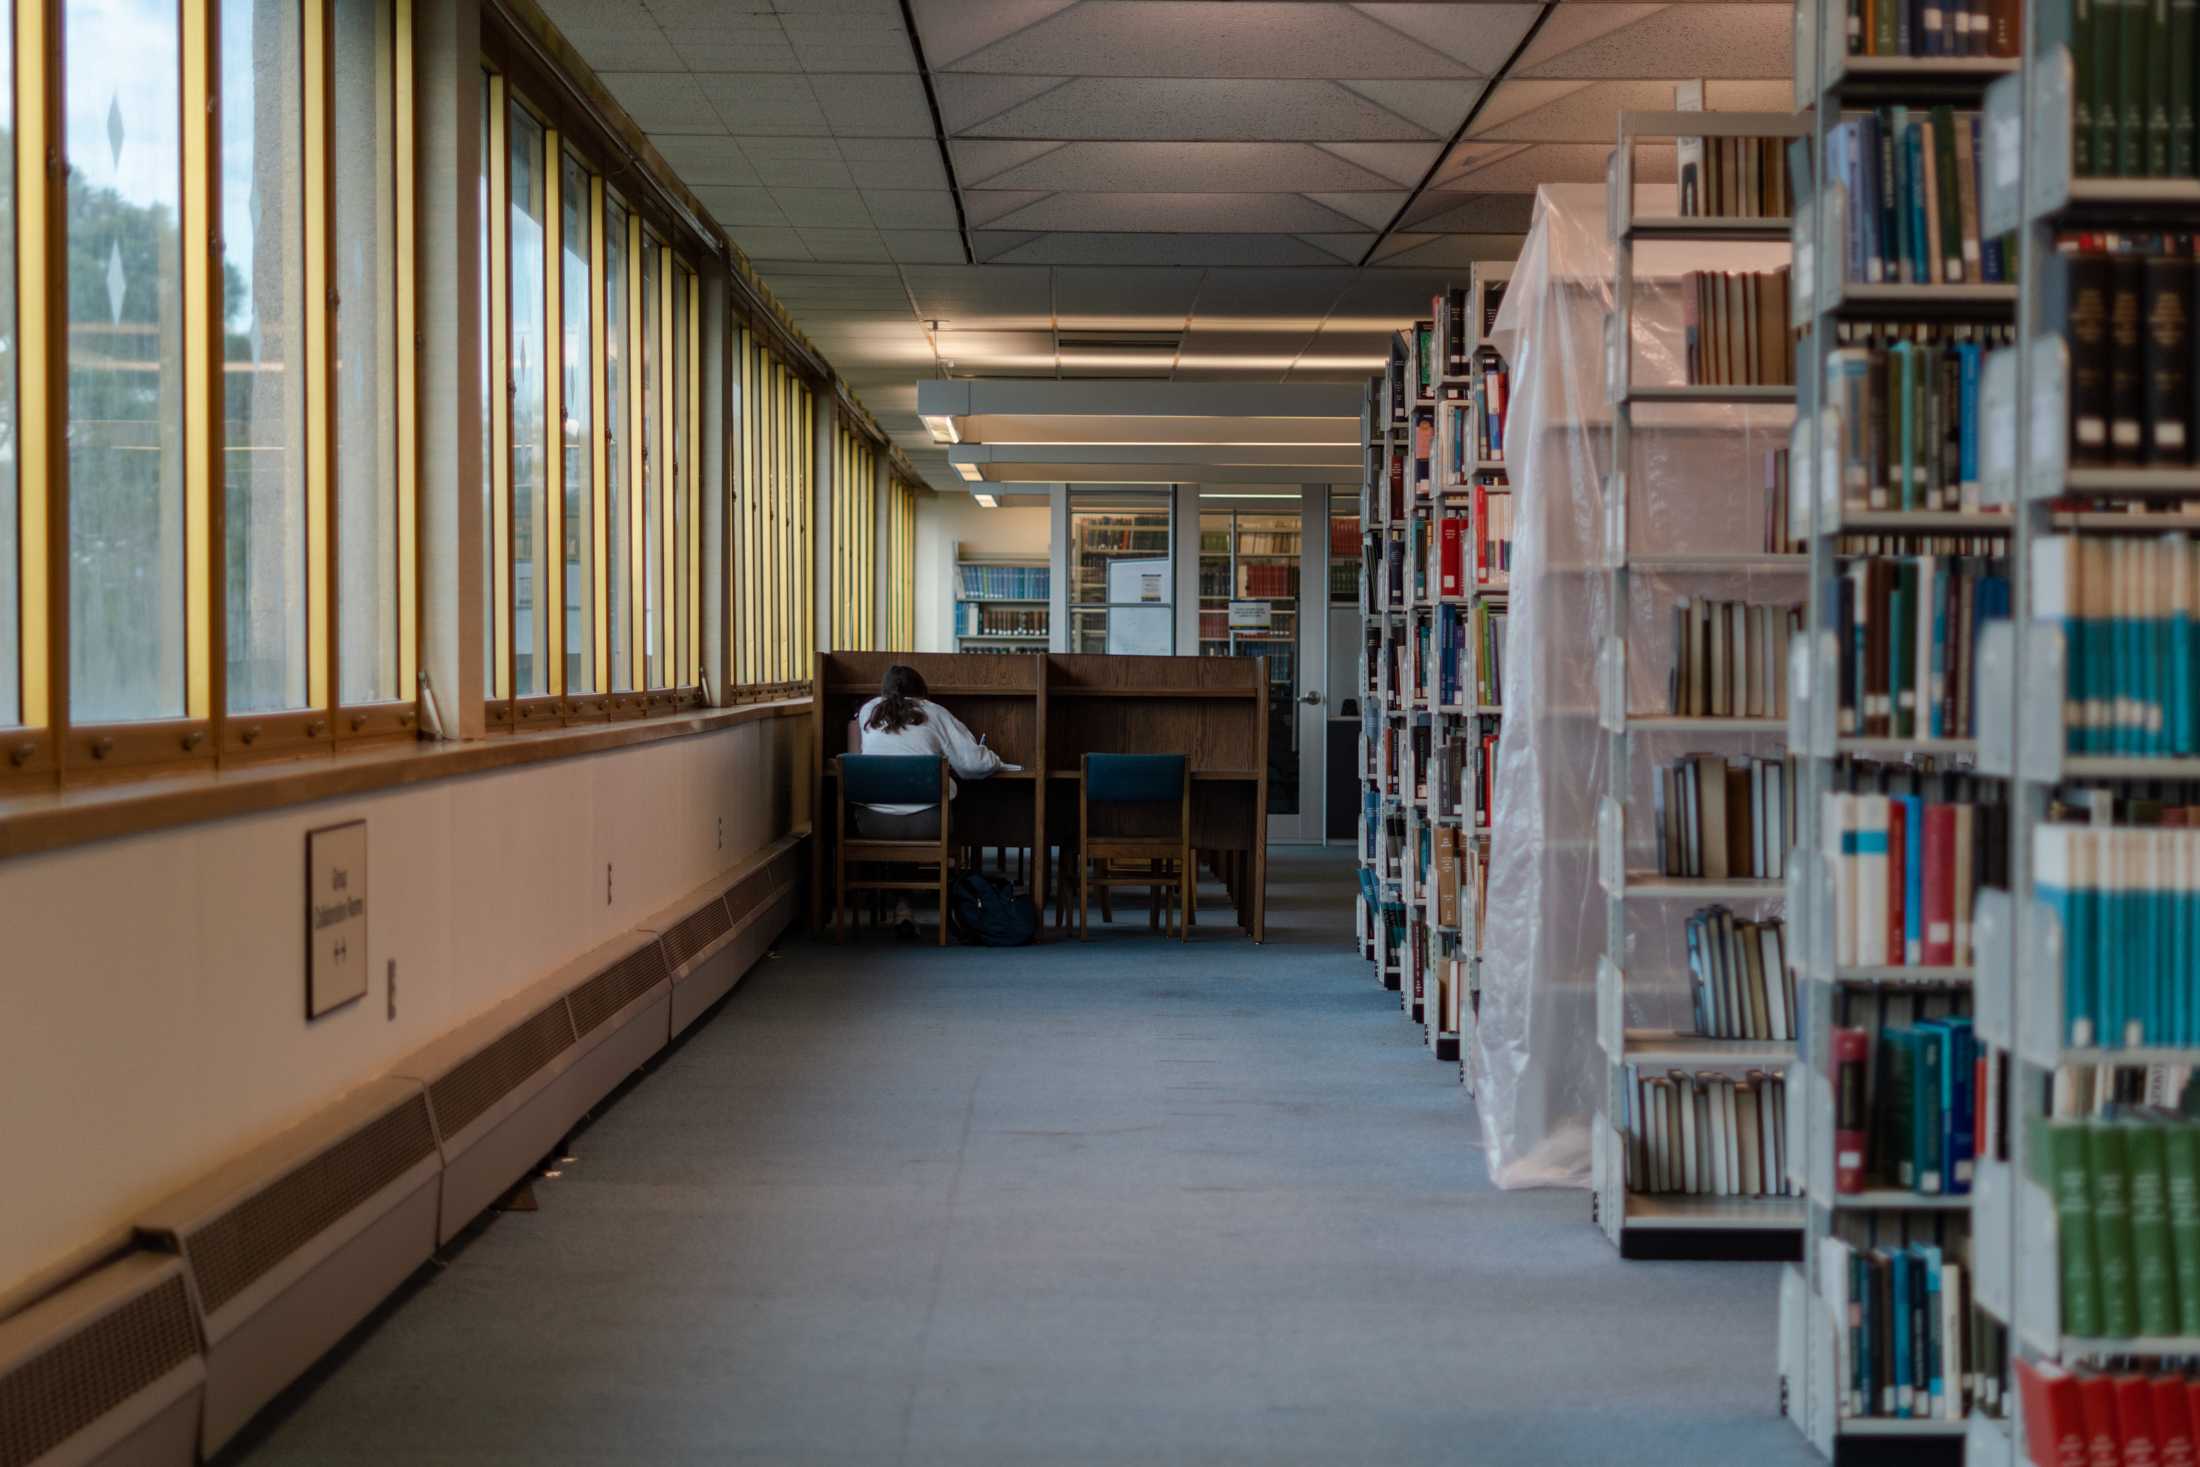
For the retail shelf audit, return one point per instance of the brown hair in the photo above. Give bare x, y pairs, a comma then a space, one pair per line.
898, 697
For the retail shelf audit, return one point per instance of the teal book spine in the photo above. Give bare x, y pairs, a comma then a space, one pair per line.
1913, 155
1904, 1395
1931, 1062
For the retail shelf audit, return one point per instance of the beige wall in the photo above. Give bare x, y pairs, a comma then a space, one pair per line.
949, 517
154, 986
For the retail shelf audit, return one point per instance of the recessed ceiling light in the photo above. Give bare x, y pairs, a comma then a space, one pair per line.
986, 501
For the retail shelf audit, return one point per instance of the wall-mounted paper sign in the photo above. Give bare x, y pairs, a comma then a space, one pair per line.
336, 917
1249, 614
1149, 586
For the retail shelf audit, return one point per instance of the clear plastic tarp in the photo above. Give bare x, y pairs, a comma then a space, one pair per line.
1698, 487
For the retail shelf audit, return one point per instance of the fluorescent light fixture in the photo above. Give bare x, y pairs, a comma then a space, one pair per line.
1210, 494
971, 472
986, 501
942, 428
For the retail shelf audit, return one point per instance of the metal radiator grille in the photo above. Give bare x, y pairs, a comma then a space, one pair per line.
53, 1396
617, 986
483, 1079
698, 930
751, 892
245, 1242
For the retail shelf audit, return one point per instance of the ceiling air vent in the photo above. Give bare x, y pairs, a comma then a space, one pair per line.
1119, 355
106, 1370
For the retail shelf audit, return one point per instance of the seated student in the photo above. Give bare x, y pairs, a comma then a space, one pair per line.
901, 720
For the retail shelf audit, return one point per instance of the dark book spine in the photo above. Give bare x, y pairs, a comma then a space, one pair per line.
2157, 93
2126, 360
2103, 37
2183, 61
2131, 118
2076, 308
2166, 302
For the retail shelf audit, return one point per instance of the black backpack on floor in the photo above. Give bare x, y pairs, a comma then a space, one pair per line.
989, 912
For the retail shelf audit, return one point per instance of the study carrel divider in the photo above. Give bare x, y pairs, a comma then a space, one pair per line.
1046, 712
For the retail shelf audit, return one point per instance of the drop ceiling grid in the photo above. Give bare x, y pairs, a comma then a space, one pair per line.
1213, 169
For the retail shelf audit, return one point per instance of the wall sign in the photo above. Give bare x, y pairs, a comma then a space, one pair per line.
336, 917
1249, 615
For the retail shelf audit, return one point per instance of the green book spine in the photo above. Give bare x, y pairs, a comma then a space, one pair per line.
2104, 41
1885, 41
2057, 1154
2181, 1177
2158, 69
1901, 1104
2070, 23
2150, 1244
2110, 1169
1925, 1084
1949, 186
2131, 118
2184, 60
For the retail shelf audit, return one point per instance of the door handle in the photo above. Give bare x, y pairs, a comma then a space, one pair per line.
1312, 697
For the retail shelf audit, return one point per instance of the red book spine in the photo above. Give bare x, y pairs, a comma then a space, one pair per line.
2103, 1440
2172, 1422
1852, 1051
1453, 547
1897, 847
1481, 536
1940, 885
2054, 1418
2135, 1421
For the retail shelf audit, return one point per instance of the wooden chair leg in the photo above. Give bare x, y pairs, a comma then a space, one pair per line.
1084, 898
943, 906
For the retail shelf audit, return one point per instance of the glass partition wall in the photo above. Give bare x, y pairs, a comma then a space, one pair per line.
1121, 586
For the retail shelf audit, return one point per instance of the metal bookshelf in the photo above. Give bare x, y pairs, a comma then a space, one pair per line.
1645, 1223
1001, 601
1829, 83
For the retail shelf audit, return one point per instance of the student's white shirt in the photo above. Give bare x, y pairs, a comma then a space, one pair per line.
941, 733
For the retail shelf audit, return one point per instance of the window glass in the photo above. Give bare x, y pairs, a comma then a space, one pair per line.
1121, 588
530, 553
11, 590
676, 648
124, 263
362, 239
576, 364
490, 611
263, 388
652, 476
616, 408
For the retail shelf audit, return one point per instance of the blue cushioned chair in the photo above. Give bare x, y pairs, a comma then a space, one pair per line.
1137, 797
890, 779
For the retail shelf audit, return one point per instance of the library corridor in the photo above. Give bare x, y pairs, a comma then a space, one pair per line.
1139, 1203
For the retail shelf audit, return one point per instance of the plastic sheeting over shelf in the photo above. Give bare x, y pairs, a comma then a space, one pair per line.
1698, 486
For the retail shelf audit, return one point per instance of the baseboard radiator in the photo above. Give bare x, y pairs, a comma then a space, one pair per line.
252, 1273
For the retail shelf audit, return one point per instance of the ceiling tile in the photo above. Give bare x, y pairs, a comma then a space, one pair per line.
982, 295
1686, 41
1513, 99
978, 162
1434, 106
806, 208
1577, 25
894, 162
705, 160
963, 351
1066, 248
1479, 36
739, 206
967, 100
662, 101
713, 49
762, 242
891, 106
1149, 299
844, 244
778, 149
1195, 108
1466, 213
992, 244
765, 106
952, 29
1214, 38
1347, 247
1586, 112
1399, 162
1459, 249
1175, 213
911, 208
983, 206
1513, 168
636, 47
925, 246
1268, 295
802, 172
1179, 167
1373, 209
878, 51
1286, 341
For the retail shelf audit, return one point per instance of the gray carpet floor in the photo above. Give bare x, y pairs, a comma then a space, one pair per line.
1129, 1202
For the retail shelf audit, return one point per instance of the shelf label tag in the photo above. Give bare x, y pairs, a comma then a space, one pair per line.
2002, 209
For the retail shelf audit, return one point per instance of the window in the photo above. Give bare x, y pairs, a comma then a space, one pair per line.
618, 475
1121, 590
651, 396
855, 541
263, 383
901, 566
123, 144
774, 605
579, 198
11, 562
528, 302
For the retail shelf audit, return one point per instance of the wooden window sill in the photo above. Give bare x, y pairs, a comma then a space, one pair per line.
55, 819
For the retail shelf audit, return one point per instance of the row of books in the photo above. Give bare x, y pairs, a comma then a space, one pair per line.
1910, 184
1907, 869
1734, 178
1489, 660
2082, 1417
2123, 304
1730, 659
1723, 820
1908, 407
1734, 327
1492, 401
1004, 582
979, 620
1919, 28
1906, 1099
1778, 540
2134, 65
1105, 538
1462, 765
1455, 332
1902, 1321
2126, 608
1706, 1134
2126, 1189
1738, 976
2128, 902
1907, 631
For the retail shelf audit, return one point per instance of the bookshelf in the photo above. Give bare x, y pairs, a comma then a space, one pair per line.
1884, 745
2088, 508
1700, 593
1249, 590
1001, 602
